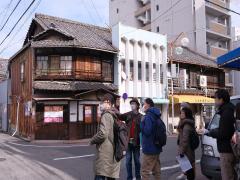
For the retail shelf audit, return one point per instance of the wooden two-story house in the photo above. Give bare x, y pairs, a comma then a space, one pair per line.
58, 78
198, 78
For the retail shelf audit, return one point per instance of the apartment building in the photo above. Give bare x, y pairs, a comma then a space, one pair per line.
205, 22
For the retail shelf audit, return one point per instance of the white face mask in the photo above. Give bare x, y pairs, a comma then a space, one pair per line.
133, 107
101, 107
143, 109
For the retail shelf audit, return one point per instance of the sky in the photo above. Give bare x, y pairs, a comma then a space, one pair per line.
88, 11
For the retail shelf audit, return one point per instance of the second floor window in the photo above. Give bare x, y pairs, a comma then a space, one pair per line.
42, 62
66, 63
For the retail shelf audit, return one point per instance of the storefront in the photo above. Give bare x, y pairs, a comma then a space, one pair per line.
67, 118
202, 107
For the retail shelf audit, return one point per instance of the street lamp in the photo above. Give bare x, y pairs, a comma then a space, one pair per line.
178, 51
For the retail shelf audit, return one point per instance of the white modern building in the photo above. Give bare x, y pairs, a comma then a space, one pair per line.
141, 66
206, 23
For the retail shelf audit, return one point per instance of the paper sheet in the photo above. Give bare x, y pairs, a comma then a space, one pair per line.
184, 163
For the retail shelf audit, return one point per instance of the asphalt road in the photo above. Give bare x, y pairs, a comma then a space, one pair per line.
20, 160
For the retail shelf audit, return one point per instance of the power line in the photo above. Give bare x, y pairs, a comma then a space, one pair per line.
222, 7
17, 22
98, 14
10, 44
157, 16
5, 11
89, 13
100, 18
166, 10
10, 15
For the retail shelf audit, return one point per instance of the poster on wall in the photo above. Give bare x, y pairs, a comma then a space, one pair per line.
88, 114
53, 114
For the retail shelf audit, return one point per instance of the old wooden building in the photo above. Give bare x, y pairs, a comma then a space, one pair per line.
59, 77
198, 78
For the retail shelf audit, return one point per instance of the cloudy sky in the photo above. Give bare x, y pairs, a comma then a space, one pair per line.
79, 10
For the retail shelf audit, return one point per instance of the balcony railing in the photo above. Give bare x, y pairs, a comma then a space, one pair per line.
215, 51
218, 4
71, 74
218, 27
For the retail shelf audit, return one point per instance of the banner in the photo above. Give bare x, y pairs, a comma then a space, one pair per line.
53, 114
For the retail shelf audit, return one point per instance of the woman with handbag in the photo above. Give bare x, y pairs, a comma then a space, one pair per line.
236, 141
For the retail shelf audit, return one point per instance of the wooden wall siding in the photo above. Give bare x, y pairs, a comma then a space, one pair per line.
22, 90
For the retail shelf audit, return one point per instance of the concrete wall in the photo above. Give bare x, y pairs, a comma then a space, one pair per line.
3, 105
125, 14
178, 19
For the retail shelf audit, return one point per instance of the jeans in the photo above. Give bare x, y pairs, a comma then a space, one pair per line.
103, 178
134, 152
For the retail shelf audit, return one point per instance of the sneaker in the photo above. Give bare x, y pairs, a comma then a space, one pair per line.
181, 177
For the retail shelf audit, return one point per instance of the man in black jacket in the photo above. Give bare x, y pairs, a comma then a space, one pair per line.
224, 133
133, 119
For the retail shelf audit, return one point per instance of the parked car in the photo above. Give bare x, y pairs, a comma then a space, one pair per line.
210, 160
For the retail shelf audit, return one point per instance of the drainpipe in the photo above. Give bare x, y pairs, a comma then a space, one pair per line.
18, 102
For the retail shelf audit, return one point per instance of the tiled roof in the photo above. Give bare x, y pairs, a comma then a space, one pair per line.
3, 68
72, 85
192, 57
84, 35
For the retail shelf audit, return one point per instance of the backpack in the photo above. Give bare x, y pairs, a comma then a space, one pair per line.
194, 140
120, 139
160, 136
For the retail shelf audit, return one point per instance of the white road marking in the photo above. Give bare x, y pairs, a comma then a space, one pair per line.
90, 155
31, 145
74, 157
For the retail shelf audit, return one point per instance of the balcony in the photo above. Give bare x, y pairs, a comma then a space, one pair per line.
69, 74
214, 7
142, 10
216, 51
218, 28
147, 27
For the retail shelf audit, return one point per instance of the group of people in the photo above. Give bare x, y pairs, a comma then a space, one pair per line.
141, 133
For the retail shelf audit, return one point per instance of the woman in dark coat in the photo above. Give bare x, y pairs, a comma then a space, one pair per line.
186, 128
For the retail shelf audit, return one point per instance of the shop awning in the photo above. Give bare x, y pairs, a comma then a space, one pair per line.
193, 99
230, 59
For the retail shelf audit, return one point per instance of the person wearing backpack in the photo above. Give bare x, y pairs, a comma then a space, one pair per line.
186, 130
106, 167
151, 147
133, 119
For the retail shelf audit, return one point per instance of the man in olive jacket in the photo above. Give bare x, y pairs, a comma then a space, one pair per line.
224, 133
133, 119
106, 167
